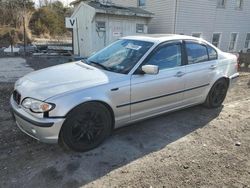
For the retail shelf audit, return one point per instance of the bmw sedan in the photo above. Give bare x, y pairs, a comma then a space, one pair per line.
78, 104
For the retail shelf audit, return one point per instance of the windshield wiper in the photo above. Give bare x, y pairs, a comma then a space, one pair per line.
99, 65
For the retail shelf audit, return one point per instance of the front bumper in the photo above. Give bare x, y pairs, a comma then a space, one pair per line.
43, 129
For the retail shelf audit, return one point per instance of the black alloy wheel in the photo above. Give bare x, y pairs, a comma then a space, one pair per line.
86, 127
217, 94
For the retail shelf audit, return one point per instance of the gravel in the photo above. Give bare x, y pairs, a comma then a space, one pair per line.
43, 62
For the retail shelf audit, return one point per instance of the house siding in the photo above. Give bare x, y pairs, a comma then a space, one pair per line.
204, 16
195, 17
163, 10
233, 20
162, 21
201, 16
82, 35
129, 3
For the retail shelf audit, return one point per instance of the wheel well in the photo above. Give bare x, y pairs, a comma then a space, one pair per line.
227, 80
101, 102
110, 111
224, 78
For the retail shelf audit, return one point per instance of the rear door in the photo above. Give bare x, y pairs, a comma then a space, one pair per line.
151, 94
201, 65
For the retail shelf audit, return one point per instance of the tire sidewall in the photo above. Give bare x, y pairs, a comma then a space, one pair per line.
209, 100
65, 135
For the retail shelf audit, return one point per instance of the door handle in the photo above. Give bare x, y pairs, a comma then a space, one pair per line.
179, 74
212, 67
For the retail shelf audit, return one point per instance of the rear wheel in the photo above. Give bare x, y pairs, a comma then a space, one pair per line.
217, 94
86, 127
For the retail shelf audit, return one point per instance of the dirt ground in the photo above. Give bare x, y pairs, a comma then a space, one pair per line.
195, 147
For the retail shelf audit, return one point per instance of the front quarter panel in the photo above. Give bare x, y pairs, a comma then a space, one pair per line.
111, 94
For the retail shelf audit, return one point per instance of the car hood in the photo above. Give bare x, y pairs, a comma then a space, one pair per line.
59, 79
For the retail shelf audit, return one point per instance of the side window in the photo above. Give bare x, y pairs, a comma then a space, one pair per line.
168, 56
196, 53
212, 53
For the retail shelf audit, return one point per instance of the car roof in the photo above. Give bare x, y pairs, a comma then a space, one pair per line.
159, 38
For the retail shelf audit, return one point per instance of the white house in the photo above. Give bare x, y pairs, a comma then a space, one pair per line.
225, 23
100, 23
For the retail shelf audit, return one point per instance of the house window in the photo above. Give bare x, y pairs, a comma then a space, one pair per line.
221, 3
247, 43
139, 28
198, 35
239, 4
233, 40
100, 26
141, 3
216, 39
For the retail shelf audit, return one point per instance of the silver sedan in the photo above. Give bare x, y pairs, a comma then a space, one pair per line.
80, 103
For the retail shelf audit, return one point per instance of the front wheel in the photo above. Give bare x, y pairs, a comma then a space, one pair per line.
86, 127
217, 94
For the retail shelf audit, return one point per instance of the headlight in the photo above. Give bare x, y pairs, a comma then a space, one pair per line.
36, 105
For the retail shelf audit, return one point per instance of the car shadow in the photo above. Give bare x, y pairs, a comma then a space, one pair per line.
50, 166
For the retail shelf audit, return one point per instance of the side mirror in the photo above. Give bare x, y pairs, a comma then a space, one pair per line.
150, 69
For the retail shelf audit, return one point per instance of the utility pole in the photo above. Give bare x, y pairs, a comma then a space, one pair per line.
24, 28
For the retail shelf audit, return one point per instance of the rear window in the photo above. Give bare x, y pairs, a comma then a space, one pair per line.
196, 53
212, 53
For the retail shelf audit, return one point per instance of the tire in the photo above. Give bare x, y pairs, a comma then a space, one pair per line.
217, 94
86, 127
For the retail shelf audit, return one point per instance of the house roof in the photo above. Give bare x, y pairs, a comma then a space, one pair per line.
111, 8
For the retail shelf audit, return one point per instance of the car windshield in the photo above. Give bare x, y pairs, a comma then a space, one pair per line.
121, 56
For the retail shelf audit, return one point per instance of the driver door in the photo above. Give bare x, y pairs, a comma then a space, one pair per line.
153, 94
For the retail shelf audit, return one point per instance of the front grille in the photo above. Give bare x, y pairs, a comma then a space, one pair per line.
17, 97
